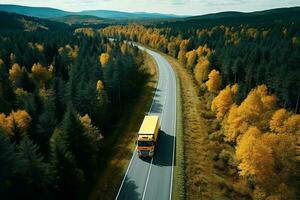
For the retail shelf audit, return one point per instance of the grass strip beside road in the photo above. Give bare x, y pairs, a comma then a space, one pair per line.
111, 176
179, 176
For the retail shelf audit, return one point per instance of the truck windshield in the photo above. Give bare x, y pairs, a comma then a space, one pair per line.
144, 143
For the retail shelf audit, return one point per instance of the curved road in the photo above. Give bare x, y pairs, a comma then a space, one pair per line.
147, 178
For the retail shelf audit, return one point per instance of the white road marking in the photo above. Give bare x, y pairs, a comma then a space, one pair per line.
126, 172
149, 170
156, 58
174, 141
147, 179
136, 146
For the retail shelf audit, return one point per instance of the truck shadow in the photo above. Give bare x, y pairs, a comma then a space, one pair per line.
129, 191
164, 151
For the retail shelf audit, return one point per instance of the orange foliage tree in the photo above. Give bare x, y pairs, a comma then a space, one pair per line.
41, 74
14, 72
20, 118
255, 157
222, 103
201, 70
255, 110
214, 81
103, 58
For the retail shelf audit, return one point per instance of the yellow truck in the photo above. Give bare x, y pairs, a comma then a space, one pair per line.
147, 136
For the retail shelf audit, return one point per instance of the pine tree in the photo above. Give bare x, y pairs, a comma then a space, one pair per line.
33, 177
7, 165
69, 178
78, 142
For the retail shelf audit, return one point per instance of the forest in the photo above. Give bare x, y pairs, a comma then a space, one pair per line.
248, 77
60, 95
244, 54
63, 88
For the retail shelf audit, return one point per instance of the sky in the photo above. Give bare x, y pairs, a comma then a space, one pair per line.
179, 7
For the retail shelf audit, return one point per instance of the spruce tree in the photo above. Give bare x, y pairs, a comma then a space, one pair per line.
33, 177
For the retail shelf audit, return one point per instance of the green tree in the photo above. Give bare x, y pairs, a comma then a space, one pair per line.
69, 178
78, 142
7, 165
33, 177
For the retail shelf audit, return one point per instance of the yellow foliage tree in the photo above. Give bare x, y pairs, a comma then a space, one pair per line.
214, 81
103, 58
191, 58
234, 89
5, 125
253, 111
256, 159
222, 103
100, 86
182, 57
204, 51
284, 151
201, 71
69, 51
86, 31
234, 123
182, 53
292, 125
40, 73
20, 118
15, 72
172, 49
91, 130
278, 118
123, 48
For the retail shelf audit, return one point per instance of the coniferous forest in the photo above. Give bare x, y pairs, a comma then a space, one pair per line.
60, 92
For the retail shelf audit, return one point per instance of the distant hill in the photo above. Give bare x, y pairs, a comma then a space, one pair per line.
16, 22
41, 12
125, 15
45, 12
237, 18
278, 12
82, 19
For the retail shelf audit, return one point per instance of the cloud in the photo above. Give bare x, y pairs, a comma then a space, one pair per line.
179, 2
225, 2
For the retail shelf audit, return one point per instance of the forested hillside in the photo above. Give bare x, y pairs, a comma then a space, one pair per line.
248, 77
60, 95
247, 55
16, 22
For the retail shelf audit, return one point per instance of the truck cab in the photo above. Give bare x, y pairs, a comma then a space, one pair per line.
147, 136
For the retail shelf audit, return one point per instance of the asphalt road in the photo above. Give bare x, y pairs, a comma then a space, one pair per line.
152, 178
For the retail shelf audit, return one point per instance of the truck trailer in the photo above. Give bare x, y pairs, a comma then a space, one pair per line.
147, 136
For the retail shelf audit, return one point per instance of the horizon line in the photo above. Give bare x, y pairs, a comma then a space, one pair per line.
162, 13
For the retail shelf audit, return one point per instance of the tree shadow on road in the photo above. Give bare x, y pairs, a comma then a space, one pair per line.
129, 191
